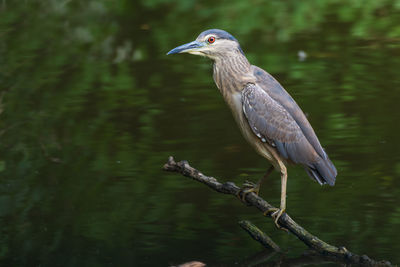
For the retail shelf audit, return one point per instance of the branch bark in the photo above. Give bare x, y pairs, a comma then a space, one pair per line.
285, 220
259, 235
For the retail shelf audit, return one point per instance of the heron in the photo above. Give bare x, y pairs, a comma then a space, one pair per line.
268, 117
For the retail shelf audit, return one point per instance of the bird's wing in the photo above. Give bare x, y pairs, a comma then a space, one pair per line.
279, 94
272, 123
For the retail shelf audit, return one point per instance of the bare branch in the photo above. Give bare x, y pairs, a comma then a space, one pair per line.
285, 221
259, 235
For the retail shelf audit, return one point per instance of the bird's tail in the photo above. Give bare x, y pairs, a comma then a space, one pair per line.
323, 171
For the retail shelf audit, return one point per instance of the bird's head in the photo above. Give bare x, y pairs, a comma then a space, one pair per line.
212, 43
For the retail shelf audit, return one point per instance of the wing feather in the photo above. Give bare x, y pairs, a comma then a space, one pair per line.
273, 124
279, 94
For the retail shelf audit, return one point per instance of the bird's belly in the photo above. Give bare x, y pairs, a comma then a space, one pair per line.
264, 149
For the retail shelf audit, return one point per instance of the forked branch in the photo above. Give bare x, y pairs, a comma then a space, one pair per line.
285, 221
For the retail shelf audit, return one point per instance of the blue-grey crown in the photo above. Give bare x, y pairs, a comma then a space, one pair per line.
221, 34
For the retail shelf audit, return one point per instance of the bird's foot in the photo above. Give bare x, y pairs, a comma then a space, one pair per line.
275, 213
270, 211
248, 187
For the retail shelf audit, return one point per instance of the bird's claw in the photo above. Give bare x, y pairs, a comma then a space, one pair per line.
248, 187
276, 213
270, 211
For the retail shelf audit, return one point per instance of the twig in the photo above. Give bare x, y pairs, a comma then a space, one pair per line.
259, 235
285, 221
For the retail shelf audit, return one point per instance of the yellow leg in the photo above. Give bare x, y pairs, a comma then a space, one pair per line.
277, 214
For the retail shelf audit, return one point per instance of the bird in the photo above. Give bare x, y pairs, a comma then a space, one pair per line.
268, 117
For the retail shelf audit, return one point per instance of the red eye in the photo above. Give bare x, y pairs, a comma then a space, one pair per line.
211, 39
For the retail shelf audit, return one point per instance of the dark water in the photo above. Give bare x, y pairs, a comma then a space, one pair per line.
91, 107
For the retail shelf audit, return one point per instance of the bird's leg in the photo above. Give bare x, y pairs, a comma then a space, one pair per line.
278, 213
249, 187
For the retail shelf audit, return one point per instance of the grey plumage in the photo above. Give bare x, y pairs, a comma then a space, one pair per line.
268, 117
277, 118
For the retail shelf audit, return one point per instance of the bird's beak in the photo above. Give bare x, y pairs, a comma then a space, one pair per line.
191, 47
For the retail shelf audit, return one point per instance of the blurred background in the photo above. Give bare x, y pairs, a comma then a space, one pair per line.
91, 107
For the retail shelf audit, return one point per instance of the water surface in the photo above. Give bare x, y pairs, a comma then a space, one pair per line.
91, 108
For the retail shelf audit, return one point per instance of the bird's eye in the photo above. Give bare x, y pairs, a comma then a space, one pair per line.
211, 40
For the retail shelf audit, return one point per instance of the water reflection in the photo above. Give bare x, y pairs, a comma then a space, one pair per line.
91, 109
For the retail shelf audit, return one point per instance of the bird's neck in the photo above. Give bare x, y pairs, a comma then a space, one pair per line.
232, 72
